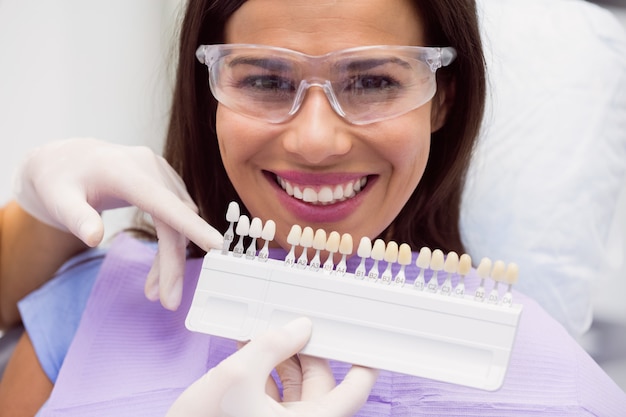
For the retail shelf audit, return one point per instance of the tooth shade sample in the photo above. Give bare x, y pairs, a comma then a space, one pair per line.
243, 225
378, 250
269, 230
436, 261
232, 213
345, 247
484, 268
511, 274
465, 264
391, 252
306, 238
293, 238
319, 240
404, 254
365, 247
497, 273
451, 263
332, 244
256, 228
423, 259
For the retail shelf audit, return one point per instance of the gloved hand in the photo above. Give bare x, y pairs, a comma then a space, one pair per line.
237, 386
68, 183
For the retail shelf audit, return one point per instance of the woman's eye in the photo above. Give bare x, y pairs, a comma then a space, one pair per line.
268, 83
371, 83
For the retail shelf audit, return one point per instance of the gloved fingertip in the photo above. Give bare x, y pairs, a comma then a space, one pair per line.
152, 291
171, 299
215, 240
300, 328
91, 233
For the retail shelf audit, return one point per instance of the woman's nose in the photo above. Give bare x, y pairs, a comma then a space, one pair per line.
317, 133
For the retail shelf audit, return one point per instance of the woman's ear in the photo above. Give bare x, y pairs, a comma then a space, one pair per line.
442, 101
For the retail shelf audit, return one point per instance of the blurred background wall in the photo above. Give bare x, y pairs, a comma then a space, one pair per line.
82, 68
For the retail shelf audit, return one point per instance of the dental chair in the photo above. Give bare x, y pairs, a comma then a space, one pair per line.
7, 345
548, 179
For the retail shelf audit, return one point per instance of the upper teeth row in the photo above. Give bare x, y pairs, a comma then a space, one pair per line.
327, 194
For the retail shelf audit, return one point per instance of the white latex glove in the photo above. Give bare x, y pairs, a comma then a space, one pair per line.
68, 183
237, 386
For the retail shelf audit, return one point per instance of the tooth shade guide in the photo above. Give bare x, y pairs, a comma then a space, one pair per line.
395, 257
390, 255
472, 341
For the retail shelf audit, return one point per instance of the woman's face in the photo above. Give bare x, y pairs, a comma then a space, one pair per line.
317, 150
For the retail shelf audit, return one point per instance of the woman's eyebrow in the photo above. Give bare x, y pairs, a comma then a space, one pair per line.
369, 63
278, 64
263, 62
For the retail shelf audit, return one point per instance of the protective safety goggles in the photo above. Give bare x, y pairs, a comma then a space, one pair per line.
363, 85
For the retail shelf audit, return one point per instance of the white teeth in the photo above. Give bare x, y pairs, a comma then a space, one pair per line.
338, 193
309, 195
348, 190
327, 194
287, 187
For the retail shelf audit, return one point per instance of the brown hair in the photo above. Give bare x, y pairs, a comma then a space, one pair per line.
431, 216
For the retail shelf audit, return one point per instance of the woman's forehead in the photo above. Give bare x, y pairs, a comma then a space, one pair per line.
322, 26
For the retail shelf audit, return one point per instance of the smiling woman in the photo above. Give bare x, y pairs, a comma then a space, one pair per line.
318, 150
395, 174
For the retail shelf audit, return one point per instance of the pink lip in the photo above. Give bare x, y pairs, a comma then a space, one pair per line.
309, 213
